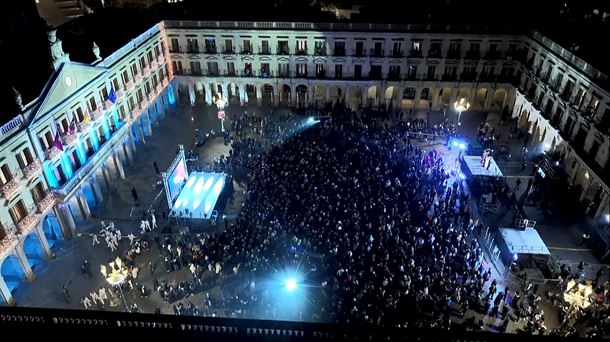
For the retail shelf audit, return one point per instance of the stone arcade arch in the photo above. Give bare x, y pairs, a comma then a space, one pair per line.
51, 229
251, 93
372, 96
479, 99
267, 94
444, 96
499, 99
408, 97
12, 272
301, 95
355, 96
524, 119
391, 96
319, 94
199, 93
33, 250
336, 94
285, 94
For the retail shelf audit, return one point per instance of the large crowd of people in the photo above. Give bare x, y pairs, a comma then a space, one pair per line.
375, 229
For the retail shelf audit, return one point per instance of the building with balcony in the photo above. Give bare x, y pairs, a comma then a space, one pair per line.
90, 118
60, 154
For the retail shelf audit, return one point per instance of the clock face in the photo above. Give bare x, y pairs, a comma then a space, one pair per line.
68, 81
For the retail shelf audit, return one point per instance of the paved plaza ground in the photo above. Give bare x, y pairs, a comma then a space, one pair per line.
561, 234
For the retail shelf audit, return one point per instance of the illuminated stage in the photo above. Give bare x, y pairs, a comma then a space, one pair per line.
199, 195
193, 196
474, 168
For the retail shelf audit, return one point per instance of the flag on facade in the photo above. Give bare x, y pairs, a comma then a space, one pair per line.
72, 127
112, 95
57, 141
86, 117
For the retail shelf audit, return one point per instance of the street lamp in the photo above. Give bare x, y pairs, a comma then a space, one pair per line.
220, 104
116, 277
461, 106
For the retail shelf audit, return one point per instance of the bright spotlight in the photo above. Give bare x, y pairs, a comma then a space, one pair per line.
462, 146
455, 143
291, 284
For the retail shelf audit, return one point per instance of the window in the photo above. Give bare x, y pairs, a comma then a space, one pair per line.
301, 69
320, 72
320, 47
409, 93
431, 72
175, 45
6, 174
397, 49
248, 69
580, 96
231, 68
178, 67
282, 47
378, 49
339, 49
435, 50
210, 45
18, 211
301, 47
195, 68
359, 49
284, 70
425, 94
265, 70
265, 47
92, 104
358, 71
338, 71
192, 46
125, 76
213, 68
228, 46
412, 72
375, 72
450, 70
24, 158
394, 72
247, 46
38, 192
134, 70
416, 46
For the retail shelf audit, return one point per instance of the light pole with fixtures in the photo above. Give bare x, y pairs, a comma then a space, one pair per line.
116, 276
461, 106
220, 104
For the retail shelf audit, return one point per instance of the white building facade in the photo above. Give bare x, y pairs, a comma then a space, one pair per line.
59, 156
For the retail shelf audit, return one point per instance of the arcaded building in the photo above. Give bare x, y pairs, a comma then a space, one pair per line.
60, 153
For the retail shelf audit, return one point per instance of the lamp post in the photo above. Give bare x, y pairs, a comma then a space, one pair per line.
116, 277
461, 106
220, 104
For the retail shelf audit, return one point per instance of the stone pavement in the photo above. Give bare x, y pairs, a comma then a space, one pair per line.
179, 128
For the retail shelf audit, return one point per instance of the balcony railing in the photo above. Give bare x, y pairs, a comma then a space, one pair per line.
135, 113
28, 223
119, 94
69, 139
143, 104
454, 54
376, 53
301, 52
97, 113
415, 53
83, 126
358, 53
434, 53
145, 71
12, 126
93, 162
153, 64
52, 153
339, 52
10, 188
396, 54
159, 88
129, 85
151, 96
31, 170
211, 49
138, 78
472, 54
7, 244
165, 81
46, 203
